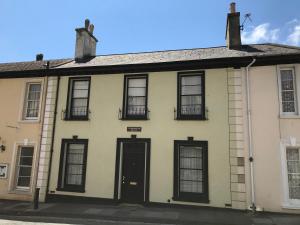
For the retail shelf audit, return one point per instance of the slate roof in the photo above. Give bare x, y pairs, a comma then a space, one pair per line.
257, 50
32, 65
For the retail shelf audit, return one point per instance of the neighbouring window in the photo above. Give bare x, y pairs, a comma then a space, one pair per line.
73, 160
190, 171
191, 96
24, 167
32, 101
293, 172
78, 99
135, 97
288, 91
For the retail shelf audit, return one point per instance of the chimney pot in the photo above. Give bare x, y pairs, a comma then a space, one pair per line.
39, 57
87, 23
232, 7
91, 28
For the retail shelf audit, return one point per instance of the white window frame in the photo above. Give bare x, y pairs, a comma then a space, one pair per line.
12, 186
25, 188
296, 79
25, 105
291, 143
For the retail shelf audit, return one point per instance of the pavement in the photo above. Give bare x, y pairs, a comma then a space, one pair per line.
74, 213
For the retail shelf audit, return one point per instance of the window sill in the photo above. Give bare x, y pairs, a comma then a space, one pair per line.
282, 116
30, 121
70, 190
290, 206
76, 119
21, 192
196, 200
191, 118
135, 118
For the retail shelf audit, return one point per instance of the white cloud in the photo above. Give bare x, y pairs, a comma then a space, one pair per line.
289, 33
260, 33
294, 37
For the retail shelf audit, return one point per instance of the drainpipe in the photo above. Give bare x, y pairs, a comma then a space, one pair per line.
253, 205
52, 139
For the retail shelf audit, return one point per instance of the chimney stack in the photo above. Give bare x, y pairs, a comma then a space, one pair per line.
233, 29
39, 57
85, 42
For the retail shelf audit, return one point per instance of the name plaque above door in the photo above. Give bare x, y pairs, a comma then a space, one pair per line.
134, 129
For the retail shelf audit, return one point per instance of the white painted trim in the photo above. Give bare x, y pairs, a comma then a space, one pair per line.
296, 79
23, 101
12, 178
284, 144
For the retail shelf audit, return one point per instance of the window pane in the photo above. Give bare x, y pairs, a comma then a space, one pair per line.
137, 91
24, 166
293, 170
79, 98
136, 96
81, 84
190, 151
23, 182
286, 75
191, 186
74, 168
32, 100
191, 80
26, 161
25, 171
74, 179
26, 151
187, 174
80, 93
288, 106
79, 107
288, 96
191, 90
287, 91
137, 82
190, 169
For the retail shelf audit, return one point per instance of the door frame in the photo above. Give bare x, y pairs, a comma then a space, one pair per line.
118, 166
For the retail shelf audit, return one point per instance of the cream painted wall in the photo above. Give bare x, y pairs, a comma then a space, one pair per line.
12, 93
268, 132
104, 128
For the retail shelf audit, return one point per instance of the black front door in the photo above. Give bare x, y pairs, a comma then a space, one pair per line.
133, 172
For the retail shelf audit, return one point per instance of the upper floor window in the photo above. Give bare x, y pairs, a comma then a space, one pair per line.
32, 101
73, 160
288, 91
78, 99
135, 97
191, 96
190, 171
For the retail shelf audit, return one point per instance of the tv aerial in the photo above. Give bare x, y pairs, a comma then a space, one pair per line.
246, 18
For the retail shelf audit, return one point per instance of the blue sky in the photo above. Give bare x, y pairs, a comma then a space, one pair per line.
35, 26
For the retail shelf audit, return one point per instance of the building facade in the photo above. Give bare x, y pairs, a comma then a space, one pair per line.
204, 127
274, 99
20, 131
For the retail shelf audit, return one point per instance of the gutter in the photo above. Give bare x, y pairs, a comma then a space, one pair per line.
253, 205
52, 138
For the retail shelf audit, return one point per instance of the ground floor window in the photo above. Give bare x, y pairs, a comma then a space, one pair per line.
73, 160
24, 167
293, 172
190, 171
